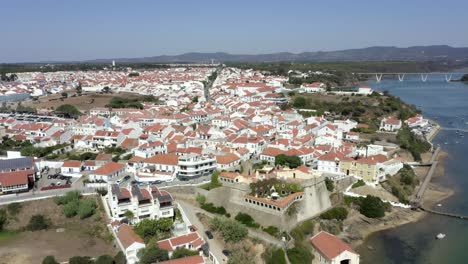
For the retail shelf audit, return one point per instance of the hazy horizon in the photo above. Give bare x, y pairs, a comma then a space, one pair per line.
55, 30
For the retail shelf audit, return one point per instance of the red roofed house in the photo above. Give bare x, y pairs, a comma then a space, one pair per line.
107, 172
390, 124
16, 174
228, 162
186, 260
129, 242
71, 168
329, 249
192, 241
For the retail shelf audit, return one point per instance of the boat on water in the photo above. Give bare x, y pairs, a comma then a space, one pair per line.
440, 236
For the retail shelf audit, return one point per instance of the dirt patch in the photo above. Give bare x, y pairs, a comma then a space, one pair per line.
66, 237
375, 191
83, 103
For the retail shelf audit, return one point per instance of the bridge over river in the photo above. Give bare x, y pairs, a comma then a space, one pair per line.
401, 75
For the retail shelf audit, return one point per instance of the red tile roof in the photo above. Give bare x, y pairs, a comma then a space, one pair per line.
185, 260
72, 163
15, 178
109, 168
168, 159
329, 246
127, 236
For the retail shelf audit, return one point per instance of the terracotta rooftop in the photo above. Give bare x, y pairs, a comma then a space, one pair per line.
329, 246
127, 236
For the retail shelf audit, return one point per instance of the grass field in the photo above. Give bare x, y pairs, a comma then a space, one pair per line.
83, 103
67, 237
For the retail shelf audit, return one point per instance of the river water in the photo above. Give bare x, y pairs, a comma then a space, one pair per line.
446, 103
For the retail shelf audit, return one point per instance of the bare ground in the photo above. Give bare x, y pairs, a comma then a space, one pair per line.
67, 237
83, 103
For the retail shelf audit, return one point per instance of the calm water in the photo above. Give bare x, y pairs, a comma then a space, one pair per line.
446, 103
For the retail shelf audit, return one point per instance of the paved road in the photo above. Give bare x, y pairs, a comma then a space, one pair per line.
215, 245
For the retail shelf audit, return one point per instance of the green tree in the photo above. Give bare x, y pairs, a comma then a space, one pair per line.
195, 99
246, 220
68, 197
38, 222
277, 257
231, 230
64, 94
50, 260
290, 161
299, 102
104, 259
338, 213
372, 207
149, 228
299, 255
153, 254
120, 258
183, 252
68, 110
129, 215
3, 218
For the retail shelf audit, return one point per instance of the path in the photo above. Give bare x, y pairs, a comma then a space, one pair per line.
422, 189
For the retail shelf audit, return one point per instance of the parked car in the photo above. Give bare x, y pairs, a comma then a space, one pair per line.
59, 183
49, 176
226, 252
126, 178
133, 182
209, 234
52, 184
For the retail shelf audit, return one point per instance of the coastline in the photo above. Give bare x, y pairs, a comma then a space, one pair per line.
357, 228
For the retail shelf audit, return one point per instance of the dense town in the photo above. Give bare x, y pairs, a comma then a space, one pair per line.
187, 161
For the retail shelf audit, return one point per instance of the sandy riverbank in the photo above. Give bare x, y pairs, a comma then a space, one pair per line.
357, 227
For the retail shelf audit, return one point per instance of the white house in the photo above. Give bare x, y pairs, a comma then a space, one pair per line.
129, 242
228, 162
417, 121
144, 203
71, 168
192, 241
390, 124
107, 172
329, 249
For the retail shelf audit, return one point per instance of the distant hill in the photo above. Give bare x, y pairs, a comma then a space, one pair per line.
416, 53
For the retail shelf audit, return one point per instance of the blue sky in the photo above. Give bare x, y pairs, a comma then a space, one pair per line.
41, 30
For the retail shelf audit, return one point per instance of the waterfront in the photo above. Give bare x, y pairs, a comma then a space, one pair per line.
447, 104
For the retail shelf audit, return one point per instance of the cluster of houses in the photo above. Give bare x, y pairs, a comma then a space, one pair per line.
187, 137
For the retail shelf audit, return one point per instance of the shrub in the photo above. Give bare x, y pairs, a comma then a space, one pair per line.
14, 208
101, 191
104, 259
68, 197
231, 230
299, 255
183, 252
86, 208
201, 199
338, 213
210, 207
150, 228
272, 230
277, 257
80, 260
38, 222
153, 254
71, 209
49, 260
372, 207
120, 258
3, 218
359, 183
246, 220
330, 184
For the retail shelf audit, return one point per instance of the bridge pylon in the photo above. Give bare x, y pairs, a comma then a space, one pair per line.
424, 77
448, 77
401, 77
378, 77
